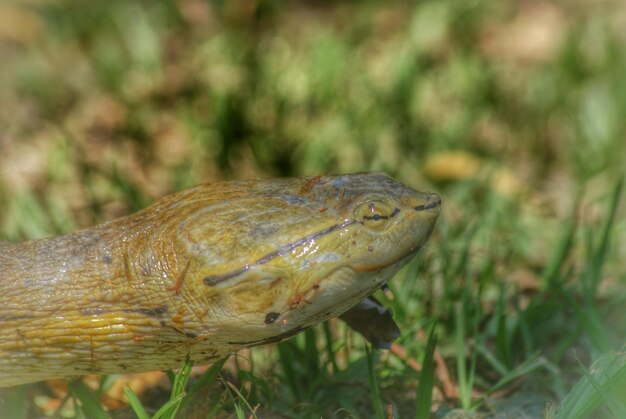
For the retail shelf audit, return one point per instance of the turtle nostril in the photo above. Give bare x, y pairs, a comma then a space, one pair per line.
433, 201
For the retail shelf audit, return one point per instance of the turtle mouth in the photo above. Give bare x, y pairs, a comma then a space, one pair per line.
398, 262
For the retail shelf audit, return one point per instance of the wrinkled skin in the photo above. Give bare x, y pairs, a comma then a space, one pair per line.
204, 272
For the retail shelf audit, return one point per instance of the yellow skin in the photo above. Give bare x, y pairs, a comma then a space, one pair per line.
203, 272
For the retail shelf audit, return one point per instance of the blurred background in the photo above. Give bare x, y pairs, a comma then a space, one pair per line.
528, 97
514, 111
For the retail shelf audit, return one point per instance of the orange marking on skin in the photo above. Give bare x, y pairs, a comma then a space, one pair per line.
323, 209
138, 338
180, 279
309, 184
178, 318
205, 312
126, 268
295, 300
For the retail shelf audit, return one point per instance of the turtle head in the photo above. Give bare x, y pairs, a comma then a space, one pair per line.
272, 257
375, 226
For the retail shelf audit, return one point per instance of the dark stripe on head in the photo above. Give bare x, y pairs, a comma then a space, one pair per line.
216, 279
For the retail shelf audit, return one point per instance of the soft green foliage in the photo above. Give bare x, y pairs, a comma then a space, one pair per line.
513, 111
181, 393
605, 384
88, 402
135, 404
15, 402
375, 393
170, 408
426, 378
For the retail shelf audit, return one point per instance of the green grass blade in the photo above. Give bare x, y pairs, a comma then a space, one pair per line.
135, 404
287, 363
239, 413
550, 274
616, 409
206, 378
490, 358
502, 340
170, 408
330, 353
590, 320
89, 403
311, 354
13, 402
376, 401
215, 409
521, 370
243, 400
609, 374
426, 382
598, 258
105, 383
181, 378
465, 379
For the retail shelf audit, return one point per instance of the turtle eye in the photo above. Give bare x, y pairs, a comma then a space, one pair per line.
375, 214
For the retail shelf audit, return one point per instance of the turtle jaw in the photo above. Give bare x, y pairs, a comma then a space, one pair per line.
337, 293
318, 298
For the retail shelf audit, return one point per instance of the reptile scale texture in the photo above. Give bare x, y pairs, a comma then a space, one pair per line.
204, 272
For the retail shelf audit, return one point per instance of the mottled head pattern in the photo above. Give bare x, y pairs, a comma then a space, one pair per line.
283, 254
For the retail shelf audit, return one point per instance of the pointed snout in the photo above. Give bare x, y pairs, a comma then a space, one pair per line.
431, 200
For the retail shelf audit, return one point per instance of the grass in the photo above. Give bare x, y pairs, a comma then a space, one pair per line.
108, 106
426, 381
